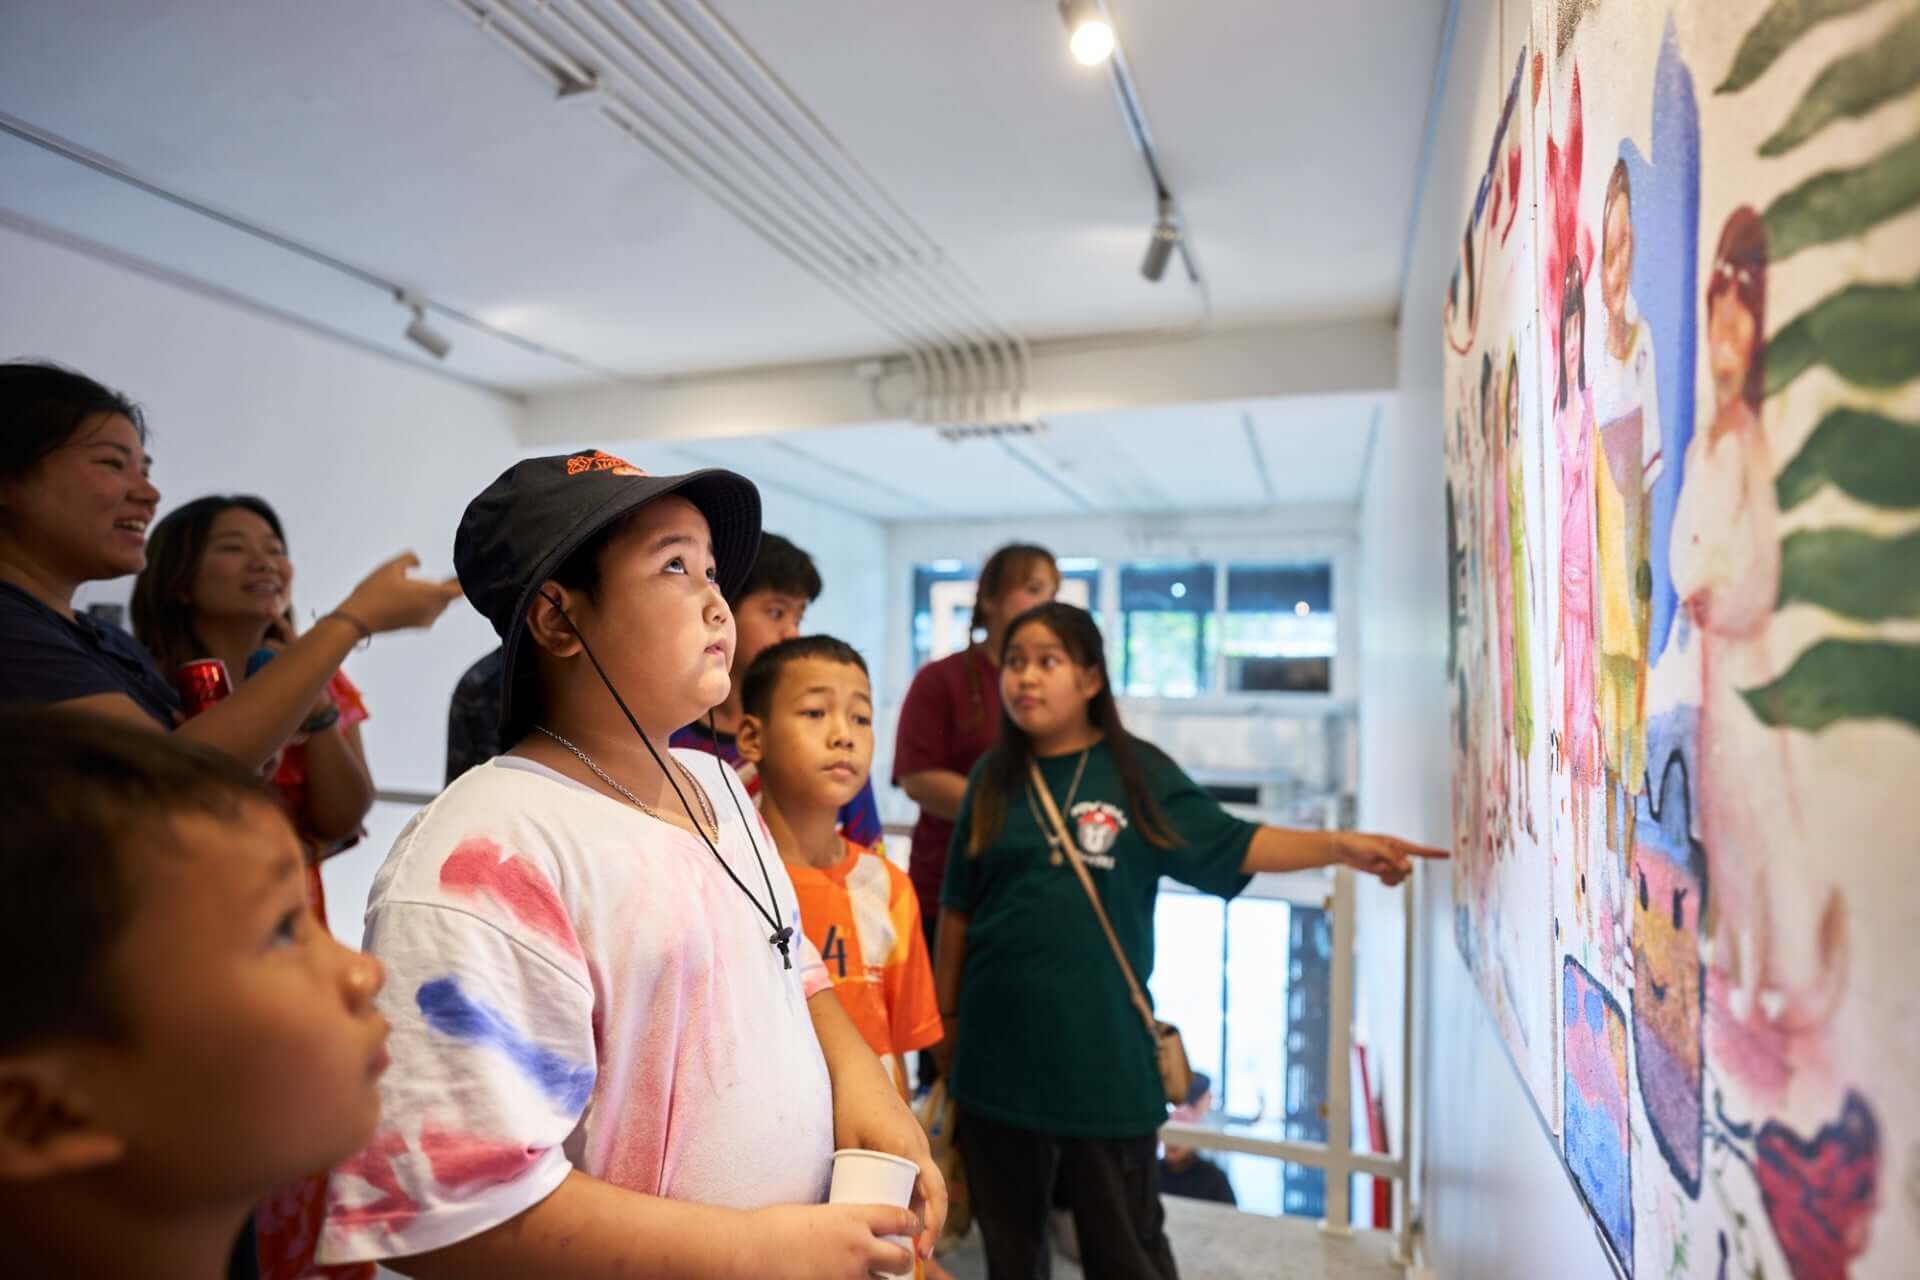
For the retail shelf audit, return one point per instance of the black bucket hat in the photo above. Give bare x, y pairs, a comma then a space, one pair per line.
526, 524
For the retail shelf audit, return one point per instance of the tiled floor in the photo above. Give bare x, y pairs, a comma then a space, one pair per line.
1211, 1242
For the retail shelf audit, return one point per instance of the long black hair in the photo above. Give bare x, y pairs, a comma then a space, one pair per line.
1004, 767
162, 606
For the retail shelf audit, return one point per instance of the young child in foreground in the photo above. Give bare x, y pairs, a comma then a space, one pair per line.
808, 728
178, 1034
613, 1054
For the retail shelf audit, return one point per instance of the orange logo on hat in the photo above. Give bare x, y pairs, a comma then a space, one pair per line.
581, 463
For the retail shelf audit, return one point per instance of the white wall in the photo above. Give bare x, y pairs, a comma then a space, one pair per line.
1494, 1197
362, 456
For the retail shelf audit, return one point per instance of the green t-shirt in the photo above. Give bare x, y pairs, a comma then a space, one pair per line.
1049, 1039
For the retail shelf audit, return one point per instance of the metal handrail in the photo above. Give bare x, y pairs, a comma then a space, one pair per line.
1337, 1155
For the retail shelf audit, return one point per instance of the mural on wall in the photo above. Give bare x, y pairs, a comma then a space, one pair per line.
1683, 484
1503, 914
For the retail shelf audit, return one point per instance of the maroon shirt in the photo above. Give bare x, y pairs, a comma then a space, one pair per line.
950, 718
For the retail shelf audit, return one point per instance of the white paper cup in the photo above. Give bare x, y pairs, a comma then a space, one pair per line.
874, 1177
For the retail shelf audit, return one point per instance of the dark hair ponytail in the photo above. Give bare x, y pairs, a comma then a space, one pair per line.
1002, 569
1003, 770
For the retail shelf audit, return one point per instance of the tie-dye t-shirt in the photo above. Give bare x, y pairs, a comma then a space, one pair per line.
573, 984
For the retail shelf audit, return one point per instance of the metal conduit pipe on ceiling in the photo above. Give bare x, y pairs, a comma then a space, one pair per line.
1007, 350
1011, 351
964, 364
845, 256
646, 131
485, 23
772, 187
663, 143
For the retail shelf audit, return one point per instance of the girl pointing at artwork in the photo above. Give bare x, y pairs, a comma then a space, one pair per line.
1046, 943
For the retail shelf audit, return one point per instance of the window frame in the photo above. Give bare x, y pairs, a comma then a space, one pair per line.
1340, 556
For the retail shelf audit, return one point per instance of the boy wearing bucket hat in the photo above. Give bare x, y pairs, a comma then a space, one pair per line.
611, 1042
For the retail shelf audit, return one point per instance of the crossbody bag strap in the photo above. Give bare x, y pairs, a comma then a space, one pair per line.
1038, 783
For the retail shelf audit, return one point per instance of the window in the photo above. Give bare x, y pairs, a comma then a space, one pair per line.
1280, 635
943, 595
1247, 984
1182, 629
1276, 634
1168, 630
942, 608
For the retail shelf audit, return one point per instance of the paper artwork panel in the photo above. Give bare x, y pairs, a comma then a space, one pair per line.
1682, 397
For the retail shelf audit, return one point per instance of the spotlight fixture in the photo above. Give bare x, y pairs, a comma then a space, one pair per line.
419, 332
1160, 244
1089, 34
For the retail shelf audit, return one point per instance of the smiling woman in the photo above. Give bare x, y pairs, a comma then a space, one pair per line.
75, 503
218, 583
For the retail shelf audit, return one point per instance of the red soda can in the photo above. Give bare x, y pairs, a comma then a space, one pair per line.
201, 683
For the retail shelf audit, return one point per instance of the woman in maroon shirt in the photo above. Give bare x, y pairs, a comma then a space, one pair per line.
952, 713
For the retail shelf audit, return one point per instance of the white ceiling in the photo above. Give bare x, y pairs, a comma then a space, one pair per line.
1251, 455
392, 134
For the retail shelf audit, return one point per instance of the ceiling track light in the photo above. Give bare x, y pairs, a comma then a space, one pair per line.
419, 332
1161, 243
1089, 34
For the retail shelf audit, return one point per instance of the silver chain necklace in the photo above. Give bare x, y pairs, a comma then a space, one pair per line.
1073, 789
706, 809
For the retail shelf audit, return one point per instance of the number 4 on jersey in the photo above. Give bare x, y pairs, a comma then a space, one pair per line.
834, 949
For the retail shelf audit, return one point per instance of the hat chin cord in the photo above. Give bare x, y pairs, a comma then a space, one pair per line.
782, 936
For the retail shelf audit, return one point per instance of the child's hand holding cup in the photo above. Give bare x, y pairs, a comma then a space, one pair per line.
874, 1177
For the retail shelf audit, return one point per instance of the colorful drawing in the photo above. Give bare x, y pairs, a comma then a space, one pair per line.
1517, 620
1665, 209
1627, 405
1670, 871
1467, 288
1821, 1193
1594, 1125
1573, 638
1682, 388
1783, 959
1503, 900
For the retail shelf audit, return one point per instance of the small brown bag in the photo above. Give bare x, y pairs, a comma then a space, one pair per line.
1169, 1050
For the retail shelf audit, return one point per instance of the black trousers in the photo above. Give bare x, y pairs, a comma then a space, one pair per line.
1112, 1186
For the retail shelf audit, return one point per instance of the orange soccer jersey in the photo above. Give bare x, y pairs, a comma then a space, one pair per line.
863, 916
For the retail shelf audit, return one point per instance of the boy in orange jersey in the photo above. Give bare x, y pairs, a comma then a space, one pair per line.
808, 726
